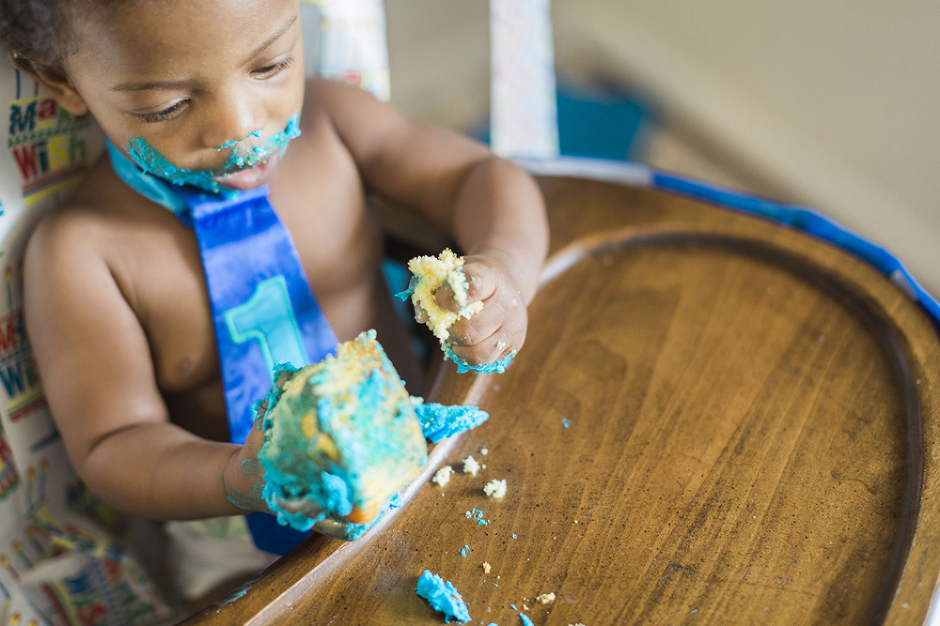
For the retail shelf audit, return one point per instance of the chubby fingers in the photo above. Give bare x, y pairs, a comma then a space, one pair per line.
421, 316
304, 507
493, 333
482, 282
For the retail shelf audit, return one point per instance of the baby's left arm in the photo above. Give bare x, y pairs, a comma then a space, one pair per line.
491, 207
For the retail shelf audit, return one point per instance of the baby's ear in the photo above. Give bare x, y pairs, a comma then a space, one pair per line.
55, 82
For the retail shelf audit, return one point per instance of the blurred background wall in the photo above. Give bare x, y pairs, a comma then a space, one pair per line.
832, 103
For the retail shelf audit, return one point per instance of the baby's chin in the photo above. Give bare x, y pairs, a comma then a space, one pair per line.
251, 177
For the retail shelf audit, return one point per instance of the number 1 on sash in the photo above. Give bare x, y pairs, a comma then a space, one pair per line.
268, 317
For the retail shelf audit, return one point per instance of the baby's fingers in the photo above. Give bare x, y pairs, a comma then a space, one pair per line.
421, 316
505, 316
491, 349
299, 506
481, 282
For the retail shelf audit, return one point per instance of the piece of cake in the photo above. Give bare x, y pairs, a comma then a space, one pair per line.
442, 476
340, 435
430, 274
470, 466
495, 488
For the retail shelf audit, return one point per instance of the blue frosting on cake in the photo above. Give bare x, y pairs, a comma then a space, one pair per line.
439, 420
342, 437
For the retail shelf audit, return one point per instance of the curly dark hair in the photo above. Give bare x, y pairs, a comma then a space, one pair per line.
32, 31
37, 34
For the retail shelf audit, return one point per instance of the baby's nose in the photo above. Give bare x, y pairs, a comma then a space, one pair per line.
235, 120
234, 142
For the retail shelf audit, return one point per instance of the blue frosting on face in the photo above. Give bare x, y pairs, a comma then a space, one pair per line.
152, 162
229, 144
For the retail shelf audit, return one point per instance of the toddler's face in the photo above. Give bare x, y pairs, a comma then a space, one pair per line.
189, 77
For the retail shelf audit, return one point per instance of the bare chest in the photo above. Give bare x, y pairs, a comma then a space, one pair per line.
161, 273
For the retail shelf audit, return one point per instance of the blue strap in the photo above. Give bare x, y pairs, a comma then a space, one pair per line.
146, 185
809, 222
264, 313
263, 309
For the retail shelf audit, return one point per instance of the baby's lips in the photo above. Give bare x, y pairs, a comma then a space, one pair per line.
251, 177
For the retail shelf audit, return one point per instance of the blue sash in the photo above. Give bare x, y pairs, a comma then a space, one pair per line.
263, 309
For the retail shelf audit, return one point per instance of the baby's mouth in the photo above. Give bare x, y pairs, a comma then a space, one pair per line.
250, 177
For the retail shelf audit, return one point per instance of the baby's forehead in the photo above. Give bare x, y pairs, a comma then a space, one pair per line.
176, 37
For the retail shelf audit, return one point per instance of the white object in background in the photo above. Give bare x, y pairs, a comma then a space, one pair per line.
524, 115
351, 43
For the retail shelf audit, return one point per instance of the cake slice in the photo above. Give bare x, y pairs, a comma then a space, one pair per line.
429, 275
340, 436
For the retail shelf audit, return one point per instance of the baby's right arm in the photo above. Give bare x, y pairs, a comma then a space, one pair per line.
97, 369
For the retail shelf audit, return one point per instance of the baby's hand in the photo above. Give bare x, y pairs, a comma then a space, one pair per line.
243, 478
500, 327
244, 486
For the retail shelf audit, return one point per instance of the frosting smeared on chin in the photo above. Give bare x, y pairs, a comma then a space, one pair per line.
152, 162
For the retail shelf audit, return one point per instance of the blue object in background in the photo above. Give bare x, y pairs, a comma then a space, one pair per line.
598, 122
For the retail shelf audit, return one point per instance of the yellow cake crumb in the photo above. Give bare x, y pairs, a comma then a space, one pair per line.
546, 598
442, 476
486, 567
495, 488
470, 466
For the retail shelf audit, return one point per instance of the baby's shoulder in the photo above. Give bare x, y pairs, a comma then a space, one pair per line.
352, 118
86, 227
321, 95
336, 103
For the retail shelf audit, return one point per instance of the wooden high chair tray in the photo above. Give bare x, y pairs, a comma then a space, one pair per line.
714, 420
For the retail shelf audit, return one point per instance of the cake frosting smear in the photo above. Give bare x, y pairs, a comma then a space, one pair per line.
429, 275
443, 597
342, 437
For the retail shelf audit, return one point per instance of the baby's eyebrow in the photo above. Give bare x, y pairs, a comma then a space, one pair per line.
270, 40
173, 84
162, 84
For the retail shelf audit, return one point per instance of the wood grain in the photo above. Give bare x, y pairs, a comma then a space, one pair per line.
751, 438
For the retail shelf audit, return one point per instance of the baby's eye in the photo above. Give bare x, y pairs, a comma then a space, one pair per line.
165, 115
271, 70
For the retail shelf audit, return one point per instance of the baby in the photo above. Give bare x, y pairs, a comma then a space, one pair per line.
117, 305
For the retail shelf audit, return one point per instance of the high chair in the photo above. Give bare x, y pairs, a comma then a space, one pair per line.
727, 411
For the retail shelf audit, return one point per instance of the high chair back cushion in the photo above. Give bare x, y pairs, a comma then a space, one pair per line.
60, 556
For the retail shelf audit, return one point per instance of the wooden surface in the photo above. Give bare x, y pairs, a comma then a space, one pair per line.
752, 439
